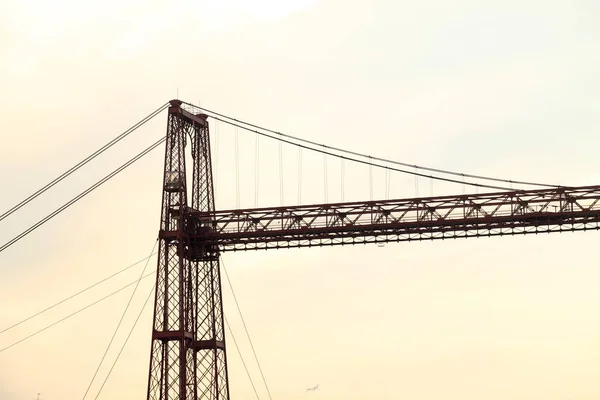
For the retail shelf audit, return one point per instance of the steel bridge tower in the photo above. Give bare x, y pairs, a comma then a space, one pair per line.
188, 357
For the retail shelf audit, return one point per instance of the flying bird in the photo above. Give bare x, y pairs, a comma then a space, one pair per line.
312, 388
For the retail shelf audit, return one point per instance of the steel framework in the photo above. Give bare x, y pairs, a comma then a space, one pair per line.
446, 217
188, 357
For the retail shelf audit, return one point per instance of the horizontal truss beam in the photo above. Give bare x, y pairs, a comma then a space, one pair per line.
431, 218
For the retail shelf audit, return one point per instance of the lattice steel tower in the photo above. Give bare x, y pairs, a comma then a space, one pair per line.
187, 359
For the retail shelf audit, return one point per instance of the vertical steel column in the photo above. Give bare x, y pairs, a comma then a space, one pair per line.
187, 359
211, 361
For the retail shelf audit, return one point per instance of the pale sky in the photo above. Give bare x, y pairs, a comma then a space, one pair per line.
506, 89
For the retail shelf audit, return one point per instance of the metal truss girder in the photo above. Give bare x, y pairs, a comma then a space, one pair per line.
487, 214
385, 236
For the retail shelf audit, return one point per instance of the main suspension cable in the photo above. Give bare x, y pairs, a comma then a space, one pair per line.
438, 170
83, 162
79, 197
301, 146
75, 295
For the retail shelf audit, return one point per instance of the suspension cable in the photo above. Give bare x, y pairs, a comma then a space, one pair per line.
325, 184
442, 171
79, 197
387, 184
237, 169
281, 202
301, 146
241, 357
74, 295
216, 158
83, 162
119, 323
245, 327
126, 340
342, 175
76, 312
299, 175
256, 169
370, 180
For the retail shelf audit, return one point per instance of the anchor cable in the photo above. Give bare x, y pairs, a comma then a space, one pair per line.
83, 162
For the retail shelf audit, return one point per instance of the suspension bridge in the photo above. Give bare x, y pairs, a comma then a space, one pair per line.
188, 355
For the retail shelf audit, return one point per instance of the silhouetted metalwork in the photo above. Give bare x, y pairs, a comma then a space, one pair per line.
188, 358
444, 217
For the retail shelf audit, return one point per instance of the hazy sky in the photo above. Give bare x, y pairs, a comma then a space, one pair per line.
507, 88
